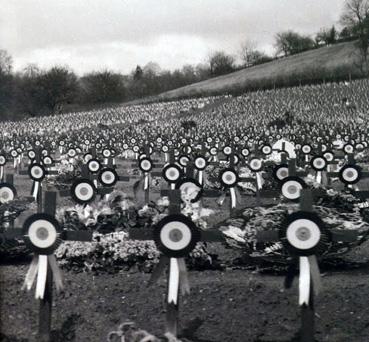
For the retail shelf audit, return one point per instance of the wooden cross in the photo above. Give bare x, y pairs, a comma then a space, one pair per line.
147, 234
45, 308
307, 311
354, 188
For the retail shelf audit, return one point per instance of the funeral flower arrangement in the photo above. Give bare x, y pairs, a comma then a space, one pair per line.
337, 209
111, 247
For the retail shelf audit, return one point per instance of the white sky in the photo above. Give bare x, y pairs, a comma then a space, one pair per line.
119, 34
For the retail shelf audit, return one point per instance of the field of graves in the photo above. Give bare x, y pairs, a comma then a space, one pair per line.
177, 217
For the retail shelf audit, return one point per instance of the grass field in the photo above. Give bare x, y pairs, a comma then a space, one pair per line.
314, 64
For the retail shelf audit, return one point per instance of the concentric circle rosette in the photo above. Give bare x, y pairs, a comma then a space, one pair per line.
83, 191
213, 151
42, 233
291, 187
2, 160
200, 163
72, 152
183, 160
227, 150
318, 163
266, 149
190, 187
255, 164
7, 192
228, 178
245, 152
304, 234
108, 177
36, 172
31, 154
329, 156
106, 153
172, 173
176, 236
280, 172
350, 174
145, 164
306, 149
93, 165
47, 160
349, 148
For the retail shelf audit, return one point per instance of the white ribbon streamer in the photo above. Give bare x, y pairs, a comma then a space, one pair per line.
233, 197
31, 274
146, 181
173, 284
304, 281
319, 177
1, 172
36, 189
259, 180
41, 276
201, 177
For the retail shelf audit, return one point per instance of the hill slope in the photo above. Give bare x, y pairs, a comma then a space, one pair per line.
331, 62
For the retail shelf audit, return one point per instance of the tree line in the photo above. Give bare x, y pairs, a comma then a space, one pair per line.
33, 91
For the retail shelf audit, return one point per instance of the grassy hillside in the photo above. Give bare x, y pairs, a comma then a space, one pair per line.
330, 63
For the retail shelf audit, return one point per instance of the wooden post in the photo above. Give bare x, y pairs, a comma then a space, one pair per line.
147, 193
45, 309
308, 319
39, 198
172, 313
307, 311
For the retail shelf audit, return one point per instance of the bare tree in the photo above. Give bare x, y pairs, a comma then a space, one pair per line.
356, 18
247, 52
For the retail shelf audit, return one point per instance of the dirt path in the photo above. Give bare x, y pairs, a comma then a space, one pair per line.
234, 305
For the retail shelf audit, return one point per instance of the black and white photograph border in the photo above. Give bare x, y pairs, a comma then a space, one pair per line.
184, 171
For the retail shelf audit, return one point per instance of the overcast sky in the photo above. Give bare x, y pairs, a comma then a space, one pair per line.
119, 34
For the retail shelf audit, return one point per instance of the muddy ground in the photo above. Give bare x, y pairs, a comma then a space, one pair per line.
233, 305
